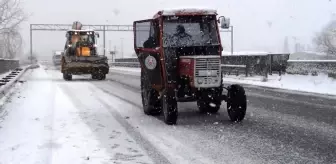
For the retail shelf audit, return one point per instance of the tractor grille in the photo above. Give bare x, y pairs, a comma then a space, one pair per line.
207, 64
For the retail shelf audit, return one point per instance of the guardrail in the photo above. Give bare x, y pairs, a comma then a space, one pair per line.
9, 79
8, 64
313, 67
268, 63
247, 64
126, 64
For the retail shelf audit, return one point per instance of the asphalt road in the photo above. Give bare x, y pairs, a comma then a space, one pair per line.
280, 126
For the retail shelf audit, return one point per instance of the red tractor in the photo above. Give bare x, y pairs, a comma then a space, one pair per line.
180, 56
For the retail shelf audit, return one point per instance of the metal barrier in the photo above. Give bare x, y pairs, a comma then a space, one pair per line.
126, 64
8, 64
262, 64
247, 64
306, 67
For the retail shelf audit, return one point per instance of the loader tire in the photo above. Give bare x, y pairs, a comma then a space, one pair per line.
67, 76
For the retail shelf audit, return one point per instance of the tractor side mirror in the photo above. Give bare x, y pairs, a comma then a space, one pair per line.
97, 34
224, 22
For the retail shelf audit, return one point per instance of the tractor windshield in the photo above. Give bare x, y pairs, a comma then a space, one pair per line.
187, 31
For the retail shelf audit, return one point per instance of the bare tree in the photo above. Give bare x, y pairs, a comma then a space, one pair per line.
325, 40
11, 16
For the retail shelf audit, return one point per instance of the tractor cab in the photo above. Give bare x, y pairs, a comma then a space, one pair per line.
179, 51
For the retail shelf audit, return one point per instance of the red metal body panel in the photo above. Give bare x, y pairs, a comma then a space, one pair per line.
186, 69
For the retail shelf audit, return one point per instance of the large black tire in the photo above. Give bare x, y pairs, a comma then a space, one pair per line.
150, 101
98, 76
67, 76
101, 77
169, 108
236, 103
94, 76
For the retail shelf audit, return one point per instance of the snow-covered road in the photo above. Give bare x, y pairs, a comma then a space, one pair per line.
49, 120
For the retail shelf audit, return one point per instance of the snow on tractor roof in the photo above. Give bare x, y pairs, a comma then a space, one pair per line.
245, 53
85, 30
188, 11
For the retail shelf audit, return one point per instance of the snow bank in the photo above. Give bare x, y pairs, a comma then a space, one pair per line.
321, 84
126, 70
188, 10
245, 53
313, 61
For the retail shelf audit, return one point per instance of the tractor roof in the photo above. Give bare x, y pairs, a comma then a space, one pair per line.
87, 30
185, 11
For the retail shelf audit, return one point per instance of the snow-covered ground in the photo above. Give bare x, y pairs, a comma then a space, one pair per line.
49, 120
321, 84
42, 125
127, 70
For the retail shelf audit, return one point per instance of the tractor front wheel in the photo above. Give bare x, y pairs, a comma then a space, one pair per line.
236, 103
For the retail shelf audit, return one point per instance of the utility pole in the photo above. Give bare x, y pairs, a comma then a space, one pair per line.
115, 52
110, 50
231, 40
122, 48
31, 44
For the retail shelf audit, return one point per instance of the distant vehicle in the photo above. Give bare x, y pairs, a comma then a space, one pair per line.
81, 55
179, 53
57, 56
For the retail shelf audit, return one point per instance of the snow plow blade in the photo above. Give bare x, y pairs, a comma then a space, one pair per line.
85, 64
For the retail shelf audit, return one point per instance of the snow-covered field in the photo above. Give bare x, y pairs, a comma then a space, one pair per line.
321, 84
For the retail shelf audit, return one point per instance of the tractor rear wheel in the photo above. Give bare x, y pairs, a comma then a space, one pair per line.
150, 97
169, 107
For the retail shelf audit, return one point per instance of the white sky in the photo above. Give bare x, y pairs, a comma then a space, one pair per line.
250, 18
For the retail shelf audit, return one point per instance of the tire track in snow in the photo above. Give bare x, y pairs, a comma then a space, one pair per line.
295, 132
133, 132
174, 150
144, 143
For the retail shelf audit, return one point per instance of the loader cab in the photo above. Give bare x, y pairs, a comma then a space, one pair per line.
81, 42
